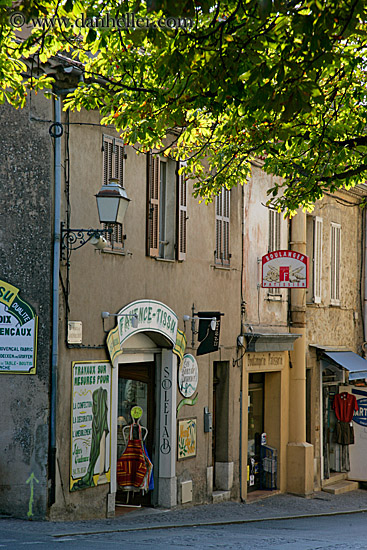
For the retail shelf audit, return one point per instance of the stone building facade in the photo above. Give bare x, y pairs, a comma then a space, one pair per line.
53, 165
110, 316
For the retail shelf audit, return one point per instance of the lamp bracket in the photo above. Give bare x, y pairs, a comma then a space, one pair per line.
72, 239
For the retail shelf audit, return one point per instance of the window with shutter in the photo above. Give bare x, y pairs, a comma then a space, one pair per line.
181, 214
222, 216
115, 239
113, 167
166, 209
317, 259
113, 159
335, 248
153, 178
274, 241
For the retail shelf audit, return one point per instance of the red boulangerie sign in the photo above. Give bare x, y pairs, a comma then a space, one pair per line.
284, 269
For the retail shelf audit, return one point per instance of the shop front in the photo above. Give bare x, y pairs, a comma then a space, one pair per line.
144, 361
265, 412
343, 375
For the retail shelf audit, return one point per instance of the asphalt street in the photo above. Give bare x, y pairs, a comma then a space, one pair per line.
282, 522
342, 532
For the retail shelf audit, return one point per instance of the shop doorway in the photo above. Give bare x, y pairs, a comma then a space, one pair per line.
255, 429
331, 450
136, 387
221, 421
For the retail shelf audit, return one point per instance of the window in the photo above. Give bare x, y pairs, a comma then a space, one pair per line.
274, 242
115, 239
167, 209
113, 159
222, 212
314, 252
113, 167
317, 260
274, 230
335, 263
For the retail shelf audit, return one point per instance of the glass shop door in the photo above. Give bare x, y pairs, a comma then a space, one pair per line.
255, 429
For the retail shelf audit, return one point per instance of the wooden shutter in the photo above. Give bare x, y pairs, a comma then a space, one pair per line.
181, 214
274, 230
107, 149
225, 240
113, 159
218, 228
335, 263
317, 259
274, 241
222, 214
119, 161
153, 184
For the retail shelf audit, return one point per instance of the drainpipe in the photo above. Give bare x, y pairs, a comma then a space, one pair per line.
55, 303
364, 236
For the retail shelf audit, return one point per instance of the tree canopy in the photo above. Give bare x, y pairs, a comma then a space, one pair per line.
230, 81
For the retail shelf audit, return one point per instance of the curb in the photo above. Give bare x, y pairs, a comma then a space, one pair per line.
207, 523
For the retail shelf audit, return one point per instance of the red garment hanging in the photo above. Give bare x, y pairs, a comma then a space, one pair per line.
132, 465
344, 405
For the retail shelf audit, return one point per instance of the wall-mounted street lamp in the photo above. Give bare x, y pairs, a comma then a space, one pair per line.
133, 317
213, 320
194, 316
112, 203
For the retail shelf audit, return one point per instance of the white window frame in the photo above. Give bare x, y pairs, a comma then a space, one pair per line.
317, 259
335, 263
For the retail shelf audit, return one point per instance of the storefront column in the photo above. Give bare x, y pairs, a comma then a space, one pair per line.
167, 494
300, 453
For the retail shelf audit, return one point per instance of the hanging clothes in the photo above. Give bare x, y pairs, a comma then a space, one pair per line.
344, 405
134, 467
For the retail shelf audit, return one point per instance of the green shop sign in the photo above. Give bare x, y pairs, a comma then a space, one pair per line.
18, 332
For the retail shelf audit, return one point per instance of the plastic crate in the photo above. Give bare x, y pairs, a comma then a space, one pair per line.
268, 465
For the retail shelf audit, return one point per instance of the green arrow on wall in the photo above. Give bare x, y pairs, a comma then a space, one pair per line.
32, 478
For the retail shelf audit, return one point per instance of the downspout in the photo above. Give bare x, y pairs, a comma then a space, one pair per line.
364, 236
55, 303
243, 319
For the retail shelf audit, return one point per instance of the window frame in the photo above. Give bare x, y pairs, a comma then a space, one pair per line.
317, 259
335, 263
157, 212
222, 255
113, 166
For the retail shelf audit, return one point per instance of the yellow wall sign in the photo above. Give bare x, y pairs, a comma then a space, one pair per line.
186, 438
90, 462
18, 332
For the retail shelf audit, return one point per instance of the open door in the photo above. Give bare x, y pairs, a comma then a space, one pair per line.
136, 387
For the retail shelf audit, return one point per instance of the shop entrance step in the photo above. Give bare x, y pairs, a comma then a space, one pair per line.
340, 487
221, 496
334, 478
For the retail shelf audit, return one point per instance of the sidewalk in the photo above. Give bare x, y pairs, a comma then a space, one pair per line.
277, 506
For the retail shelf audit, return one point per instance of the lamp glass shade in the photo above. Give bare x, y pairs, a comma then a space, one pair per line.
112, 203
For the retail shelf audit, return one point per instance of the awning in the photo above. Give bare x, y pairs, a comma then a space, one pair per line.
350, 361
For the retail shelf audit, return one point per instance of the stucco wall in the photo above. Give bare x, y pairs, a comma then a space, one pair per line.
25, 259
106, 282
262, 309
327, 324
